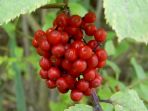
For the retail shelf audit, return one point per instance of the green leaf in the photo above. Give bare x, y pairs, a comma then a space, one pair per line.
77, 9
10, 9
110, 48
138, 69
79, 107
128, 18
114, 67
127, 101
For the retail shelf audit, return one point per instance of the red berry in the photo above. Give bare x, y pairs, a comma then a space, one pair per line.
89, 75
55, 60
51, 84
53, 73
35, 43
66, 64
54, 37
79, 65
71, 54
61, 20
101, 64
43, 74
39, 35
90, 17
64, 37
58, 50
74, 73
87, 92
82, 85
77, 44
85, 52
96, 82
71, 30
100, 35
92, 62
75, 21
42, 52
78, 35
101, 54
90, 29
70, 81
76, 95
45, 63
92, 44
62, 85
45, 45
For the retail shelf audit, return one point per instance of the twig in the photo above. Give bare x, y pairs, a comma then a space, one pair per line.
97, 106
54, 5
106, 101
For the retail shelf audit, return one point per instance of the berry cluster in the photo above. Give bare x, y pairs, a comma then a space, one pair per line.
69, 62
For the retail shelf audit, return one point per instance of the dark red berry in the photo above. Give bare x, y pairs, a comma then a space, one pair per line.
100, 35
101, 54
71, 54
82, 85
92, 62
89, 74
62, 85
43, 74
92, 44
64, 37
85, 52
90, 17
76, 95
35, 43
101, 64
45, 63
75, 21
66, 64
79, 65
51, 84
87, 92
53, 73
45, 45
58, 50
90, 29
70, 81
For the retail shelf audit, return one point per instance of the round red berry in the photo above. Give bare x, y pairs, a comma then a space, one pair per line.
58, 50
53, 73
45, 63
79, 65
89, 74
90, 29
101, 54
76, 95
85, 52
92, 62
71, 54
100, 35
43, 74
75, 21
90, 17
82, 85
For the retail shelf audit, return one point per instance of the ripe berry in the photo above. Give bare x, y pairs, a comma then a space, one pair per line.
89, 74
61, 20
71, 54
75, 21
42, 52
100, 35
79, 65
43, 74
54, 37
51, 84
70, 81
66, 64
78, 35
39, 34
90, 29
90, 17
45, 45
35, 43
64, 37
76, 95
87, 92
62, 85
45, 63
55, 60
92, 62
77, 44
101, 54
96, 82
58, 50
85, 52
82, 85
53, 73
92, 44
101, 64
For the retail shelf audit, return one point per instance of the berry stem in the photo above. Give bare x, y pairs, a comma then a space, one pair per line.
97, 106
106, 101
54, 5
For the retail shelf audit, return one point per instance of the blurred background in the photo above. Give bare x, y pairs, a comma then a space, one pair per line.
21, 88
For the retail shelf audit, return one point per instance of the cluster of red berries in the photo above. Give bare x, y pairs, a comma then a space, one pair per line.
69, 62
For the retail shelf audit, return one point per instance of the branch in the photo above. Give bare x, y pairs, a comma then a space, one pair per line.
97, 106
54, 5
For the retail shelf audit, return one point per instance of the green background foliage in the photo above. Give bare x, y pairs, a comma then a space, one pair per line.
125, 74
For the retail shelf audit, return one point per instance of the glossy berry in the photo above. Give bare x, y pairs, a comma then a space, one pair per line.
54, 37
100, 35
53, 73
76, 95
58, 50
35, 43
70, 81
89, 74
92, 62
64, 37
51, 84
45, 45
96, 82
77, 44
56, 61
39, 34
92, 44
66, 64
75, 21
62, 85
71, 54
85, 52
79, 65
90, 29
101, 64
82, 85
45, 63
43, 74
101, 54
90, 17
87, 92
